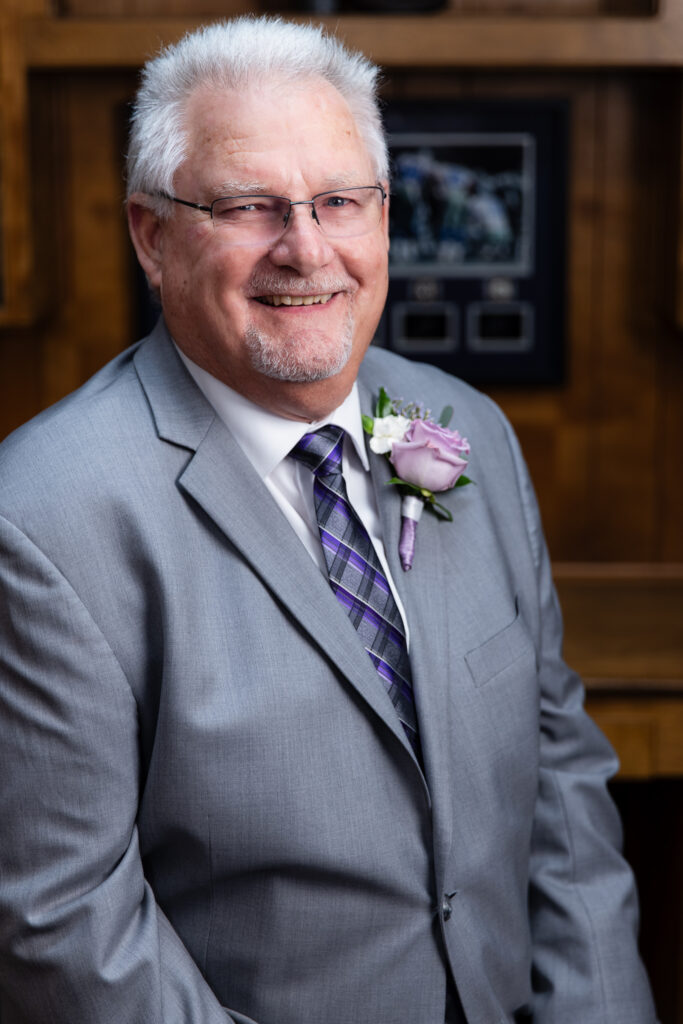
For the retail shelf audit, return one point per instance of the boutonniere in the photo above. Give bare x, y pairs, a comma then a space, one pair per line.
427, 456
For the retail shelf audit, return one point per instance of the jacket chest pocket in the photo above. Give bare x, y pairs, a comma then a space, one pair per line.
506, 654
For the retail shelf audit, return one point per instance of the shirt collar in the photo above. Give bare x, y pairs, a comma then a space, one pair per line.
266, 438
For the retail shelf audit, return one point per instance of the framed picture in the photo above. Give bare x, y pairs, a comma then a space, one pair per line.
478, 237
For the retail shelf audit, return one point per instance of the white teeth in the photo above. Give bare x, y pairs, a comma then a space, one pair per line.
294, 300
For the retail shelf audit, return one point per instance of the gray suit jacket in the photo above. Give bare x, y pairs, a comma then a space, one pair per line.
209, 809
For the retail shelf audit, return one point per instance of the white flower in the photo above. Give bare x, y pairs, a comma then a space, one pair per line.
386, 430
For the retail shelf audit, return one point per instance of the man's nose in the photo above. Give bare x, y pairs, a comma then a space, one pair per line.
302, 245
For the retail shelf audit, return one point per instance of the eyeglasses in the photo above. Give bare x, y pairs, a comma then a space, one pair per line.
261, 220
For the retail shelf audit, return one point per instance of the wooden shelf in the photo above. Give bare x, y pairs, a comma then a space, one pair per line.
427, 41
623, 625
647, 734
623, 635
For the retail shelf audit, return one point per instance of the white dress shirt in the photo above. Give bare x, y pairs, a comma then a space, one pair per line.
266, 439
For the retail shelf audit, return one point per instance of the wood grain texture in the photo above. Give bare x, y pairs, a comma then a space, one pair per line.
646, 733
444, 39
15, 234
219, 8
624, 630
604, 449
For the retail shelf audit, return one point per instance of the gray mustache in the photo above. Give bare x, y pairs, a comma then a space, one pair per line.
292, 284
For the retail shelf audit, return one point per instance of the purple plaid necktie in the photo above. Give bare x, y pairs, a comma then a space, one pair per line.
355, 572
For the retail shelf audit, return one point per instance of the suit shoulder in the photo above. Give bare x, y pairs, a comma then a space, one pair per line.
50, 451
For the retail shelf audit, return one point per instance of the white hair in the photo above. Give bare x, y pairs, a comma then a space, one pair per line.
238, 54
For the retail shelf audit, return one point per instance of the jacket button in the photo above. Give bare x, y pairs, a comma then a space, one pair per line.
446, 908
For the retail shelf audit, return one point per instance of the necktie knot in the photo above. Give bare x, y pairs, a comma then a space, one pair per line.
321, 450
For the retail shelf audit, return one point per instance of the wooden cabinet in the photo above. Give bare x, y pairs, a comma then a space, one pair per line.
624, 635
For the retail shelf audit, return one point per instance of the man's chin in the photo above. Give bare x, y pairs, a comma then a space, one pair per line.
301, 374
286, 361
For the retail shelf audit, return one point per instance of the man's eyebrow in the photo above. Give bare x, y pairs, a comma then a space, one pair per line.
342, 181
258, 188
240, 188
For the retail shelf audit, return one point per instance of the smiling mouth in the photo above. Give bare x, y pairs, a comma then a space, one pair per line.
294, 300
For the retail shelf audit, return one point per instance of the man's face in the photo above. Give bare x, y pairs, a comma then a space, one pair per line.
295, 141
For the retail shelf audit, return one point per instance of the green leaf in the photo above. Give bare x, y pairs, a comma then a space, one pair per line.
463, 481
404, 483
368, 424
441, 511
446, 416
383, 404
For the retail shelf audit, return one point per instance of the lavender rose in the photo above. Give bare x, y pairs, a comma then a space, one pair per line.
430, 456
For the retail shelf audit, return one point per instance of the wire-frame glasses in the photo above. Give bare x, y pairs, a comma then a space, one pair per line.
261, 220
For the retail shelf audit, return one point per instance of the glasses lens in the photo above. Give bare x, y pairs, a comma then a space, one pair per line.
349, 211
249, 220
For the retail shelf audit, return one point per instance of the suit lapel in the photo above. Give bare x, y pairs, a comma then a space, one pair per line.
429, 634
222, 481
448, 586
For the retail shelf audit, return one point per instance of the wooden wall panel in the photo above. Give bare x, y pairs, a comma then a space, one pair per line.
15, 247
670, 481
603, 449
96, 321
82, 292
601, 480
24, 8
624, 360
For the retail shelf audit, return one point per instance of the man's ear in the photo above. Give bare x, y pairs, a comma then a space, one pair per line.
146, 230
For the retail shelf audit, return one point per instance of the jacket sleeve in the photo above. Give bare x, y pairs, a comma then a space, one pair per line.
582, 898
81, 936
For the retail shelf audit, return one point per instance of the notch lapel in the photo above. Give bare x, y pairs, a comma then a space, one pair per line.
448, 585
419, 590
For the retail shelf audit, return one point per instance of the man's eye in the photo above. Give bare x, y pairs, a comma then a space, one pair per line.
265, 206
335, 202
242, 208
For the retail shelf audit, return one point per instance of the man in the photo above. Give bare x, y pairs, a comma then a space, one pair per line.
214, 804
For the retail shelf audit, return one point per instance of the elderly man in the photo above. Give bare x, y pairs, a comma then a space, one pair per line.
250, 776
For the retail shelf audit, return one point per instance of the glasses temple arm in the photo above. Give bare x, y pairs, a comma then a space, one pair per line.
183, 202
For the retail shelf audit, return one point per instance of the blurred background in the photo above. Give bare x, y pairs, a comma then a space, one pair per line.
538, 252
